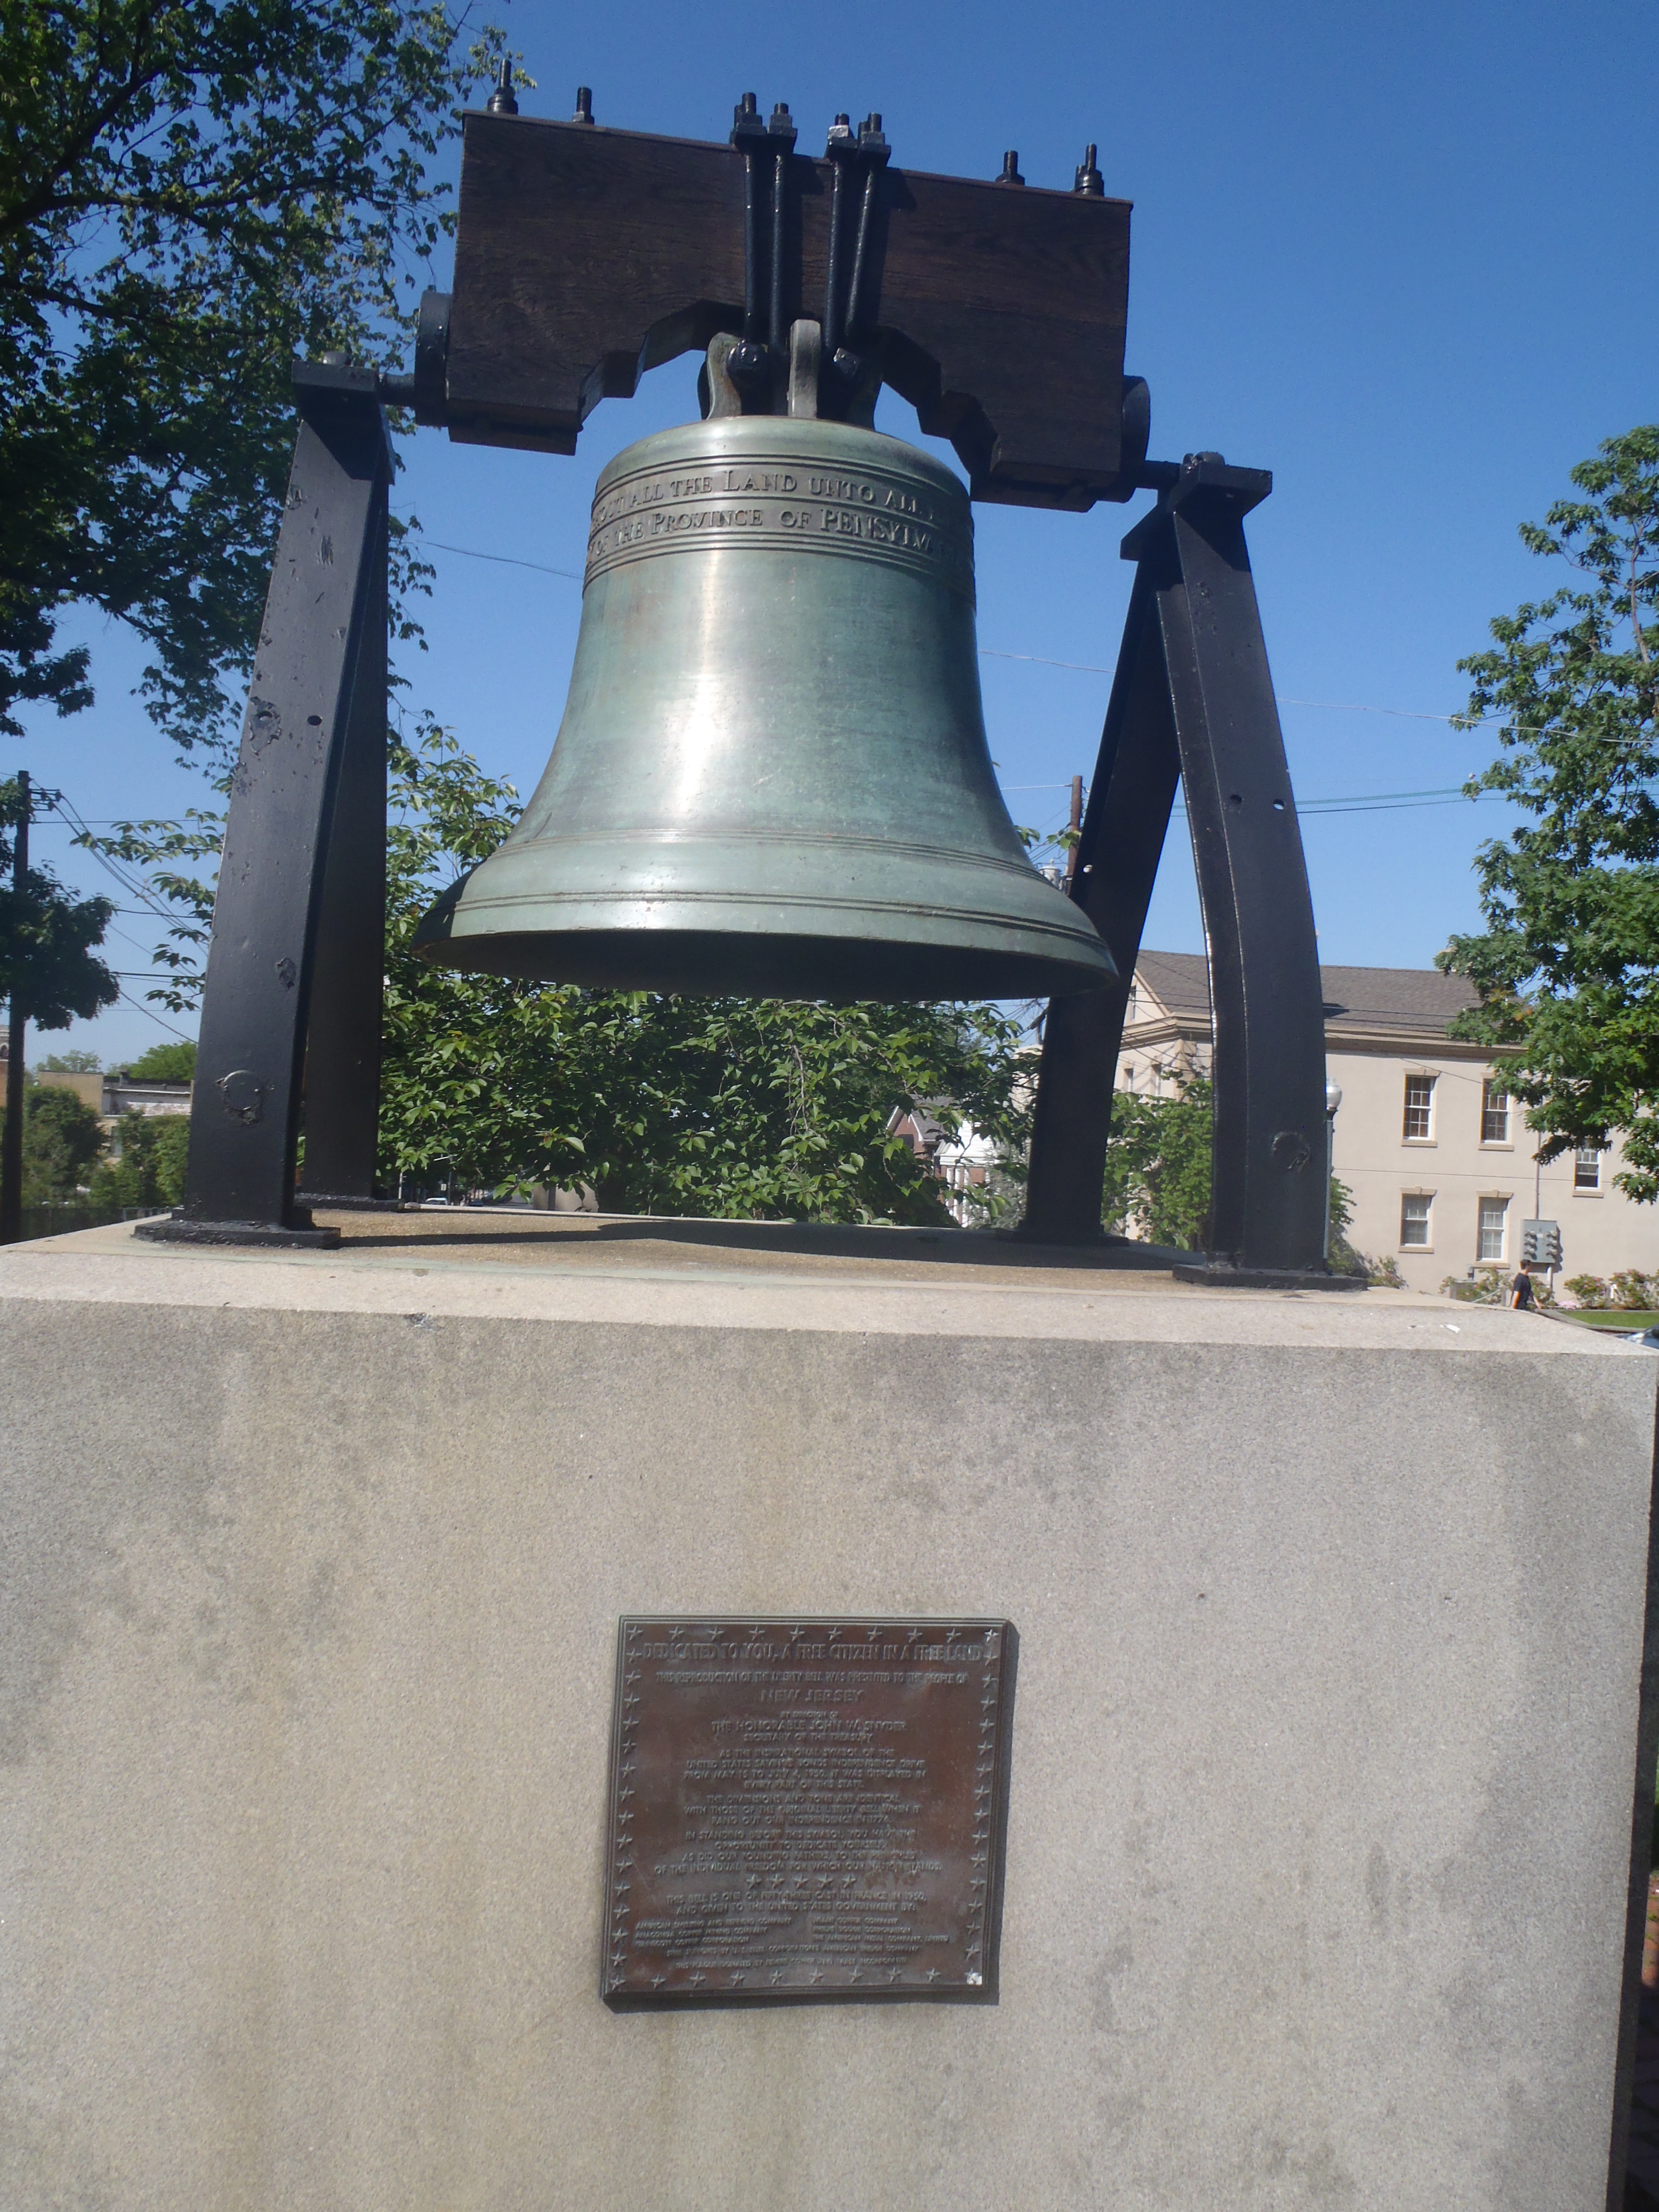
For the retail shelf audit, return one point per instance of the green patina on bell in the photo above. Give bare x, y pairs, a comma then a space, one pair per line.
772, 775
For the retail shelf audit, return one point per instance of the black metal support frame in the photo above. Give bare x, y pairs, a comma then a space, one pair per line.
292, 1007
292, 1004
1192, 702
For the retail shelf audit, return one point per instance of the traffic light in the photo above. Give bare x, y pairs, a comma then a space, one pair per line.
1540, 1243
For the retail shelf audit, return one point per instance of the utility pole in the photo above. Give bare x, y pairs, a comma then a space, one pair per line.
11, 1151
1076, 824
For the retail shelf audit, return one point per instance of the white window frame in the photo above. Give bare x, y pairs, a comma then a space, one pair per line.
1587, 1189
1501, 1199
1489, 1091
1426, 1199
1418, 1075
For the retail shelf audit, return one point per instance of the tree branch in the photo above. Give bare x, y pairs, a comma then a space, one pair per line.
85, 136
1635, 619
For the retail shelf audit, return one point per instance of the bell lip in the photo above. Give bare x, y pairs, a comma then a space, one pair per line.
779, 435
1014, 936
659, 857
722, 963
737, 915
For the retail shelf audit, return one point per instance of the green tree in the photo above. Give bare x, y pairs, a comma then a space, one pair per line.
1158, 1166
145, 1163
739, 1106
1158, 1173
165, 1063
48, 937
75, 1062
191, 192
1565, 966
62, 1140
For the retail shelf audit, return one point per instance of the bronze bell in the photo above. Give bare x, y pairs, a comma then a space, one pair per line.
772, 775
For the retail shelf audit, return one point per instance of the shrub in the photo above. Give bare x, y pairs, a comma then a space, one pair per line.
146, 1163
1158, 1166
1630, 1291
61, 1141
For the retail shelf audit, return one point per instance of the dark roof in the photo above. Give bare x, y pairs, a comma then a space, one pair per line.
1407, 1002
1180, 981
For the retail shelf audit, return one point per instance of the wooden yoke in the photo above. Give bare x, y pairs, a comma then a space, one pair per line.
586, 256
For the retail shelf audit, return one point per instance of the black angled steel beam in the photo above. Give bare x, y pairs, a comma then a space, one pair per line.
1195, 625
316, 710
347, 989
1117, 858
1268, 1185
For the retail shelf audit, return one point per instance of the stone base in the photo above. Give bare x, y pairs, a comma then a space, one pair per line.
1325, 1745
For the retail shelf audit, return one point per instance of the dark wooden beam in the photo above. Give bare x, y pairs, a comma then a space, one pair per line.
586, 256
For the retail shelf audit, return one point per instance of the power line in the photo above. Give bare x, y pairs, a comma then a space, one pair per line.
1384, 802
1374, 802
1041, 660
1329, 706
183, 1036
135, 889
1364, 802
124, 938
507, 559
1326, 705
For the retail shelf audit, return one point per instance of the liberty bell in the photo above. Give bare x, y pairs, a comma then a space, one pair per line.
772, 775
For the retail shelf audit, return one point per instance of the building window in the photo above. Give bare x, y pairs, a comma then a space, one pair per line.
1587, 1169
1414, 1222
1419, 1108
1494, 1212
1494, 1114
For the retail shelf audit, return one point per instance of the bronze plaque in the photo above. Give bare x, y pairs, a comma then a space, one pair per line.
803, 1809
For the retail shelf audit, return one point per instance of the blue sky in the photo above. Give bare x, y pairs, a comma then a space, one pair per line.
1404, 257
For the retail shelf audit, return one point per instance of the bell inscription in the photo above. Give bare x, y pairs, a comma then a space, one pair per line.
806, 1809
879, 513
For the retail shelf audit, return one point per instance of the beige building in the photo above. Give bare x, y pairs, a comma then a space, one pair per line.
110, 1095
1438, 1157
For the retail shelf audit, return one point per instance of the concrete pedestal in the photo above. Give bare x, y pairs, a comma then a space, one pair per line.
1325, 1749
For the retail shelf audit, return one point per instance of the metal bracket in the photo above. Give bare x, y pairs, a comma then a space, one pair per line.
292, 1003
427, 389
1193, 701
